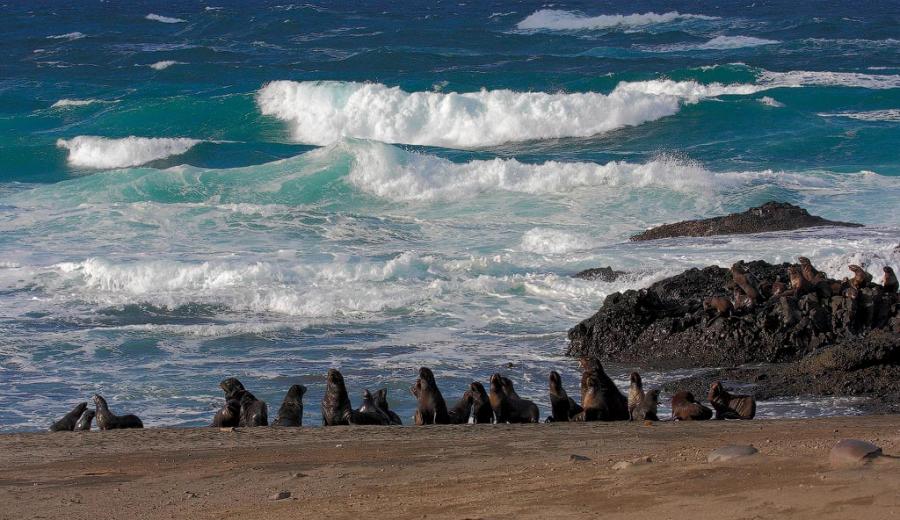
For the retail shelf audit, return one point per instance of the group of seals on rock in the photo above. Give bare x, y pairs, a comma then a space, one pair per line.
80, 418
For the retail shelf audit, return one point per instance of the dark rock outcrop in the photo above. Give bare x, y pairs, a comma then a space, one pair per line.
771, 216
603, 274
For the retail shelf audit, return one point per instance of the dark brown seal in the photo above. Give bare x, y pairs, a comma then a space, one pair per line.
507, 405
253, 411
686, 408
600, 398
562, 407
482, 412
717, 306
889, 281
730, 406
291, 411
861, 279
382, 402
744, 280
229, 415
68, 422
107, 420
460, 412
799, 285
84, 423
335, 402
642, 405
810, 273
368, 414
431, 409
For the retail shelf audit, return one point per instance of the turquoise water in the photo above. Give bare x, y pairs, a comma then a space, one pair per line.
265, 190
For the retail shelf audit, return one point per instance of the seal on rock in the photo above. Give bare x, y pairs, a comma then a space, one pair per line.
431, 409
253, 411
84, 423
728, 406
482, 412
889, 281
744, 280
335, 402
641, 406
461, 411
382, 402
686, 408
717, 306
291, 411
507, 405
861, 279
67, 423
107, 420
562, 407
600, 398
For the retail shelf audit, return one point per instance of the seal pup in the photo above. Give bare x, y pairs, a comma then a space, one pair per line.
381, 402
686, 408
562, 407
253, 411
84, 423
861, 278
107, 420
369, 414
728, 406
507, 405
889, 281
482, 412
431, 409
229, 415
291, 411
649, 406
600, 398
461, 411
335, 402
67, 423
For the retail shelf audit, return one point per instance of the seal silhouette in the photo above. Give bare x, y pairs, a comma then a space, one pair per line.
107, 420
253, 411
68, 422
335, 402
291, 411
562, 407
382, 402
728, 406
431, 408
686, 408
84, 423
482, 413
600, 398
507, 405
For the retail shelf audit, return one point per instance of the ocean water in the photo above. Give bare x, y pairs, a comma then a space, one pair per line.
191, 190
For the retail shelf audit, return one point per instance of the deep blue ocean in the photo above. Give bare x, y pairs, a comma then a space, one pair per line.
190, 190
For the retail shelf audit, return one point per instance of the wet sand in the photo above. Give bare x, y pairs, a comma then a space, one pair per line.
483, 471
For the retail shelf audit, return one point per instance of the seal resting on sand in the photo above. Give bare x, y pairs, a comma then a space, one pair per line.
291, 411
229, 415
600, 398
728, 406
507, 405
368, 414
641, 405
889, 281
335, 402
562, 407
381, 402
461, 411
686, 408
431, 409
68, 422
84, 423
107, 420
253, 411
482, 412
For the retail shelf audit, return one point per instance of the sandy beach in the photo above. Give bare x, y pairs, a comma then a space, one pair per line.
484, 471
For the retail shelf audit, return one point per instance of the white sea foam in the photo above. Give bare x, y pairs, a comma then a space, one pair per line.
163, 19
66, 103
559, 20
321, 112
770, 102
101, 152
717, 43
890, 114
68, 36
165, 64
552, 241
798, 78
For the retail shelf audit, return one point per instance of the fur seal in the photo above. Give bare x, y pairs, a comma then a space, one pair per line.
461, 411
291, 411
335, 402
507, 405
431, 409
861, 278
810, 273
229, 416
641, 406
368, 414
799, 286
600, 398
744, 280
107, 420
889, 282
253, 411
482, 412
381, 402
67, 423
84, 423
562, 407
686, 408
730, 406
717, 306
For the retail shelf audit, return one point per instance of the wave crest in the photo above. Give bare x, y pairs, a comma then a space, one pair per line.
560, 20
101, 152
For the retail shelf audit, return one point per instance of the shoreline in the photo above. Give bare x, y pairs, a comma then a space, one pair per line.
466, 471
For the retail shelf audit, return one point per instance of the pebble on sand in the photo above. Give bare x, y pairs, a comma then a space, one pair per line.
733, 452
853, 451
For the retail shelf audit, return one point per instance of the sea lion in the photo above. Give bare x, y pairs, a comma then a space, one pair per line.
482, 412
744, 280
84, 423
641, 406
507, 405
291, 411
889, 281
562, 407
431, 409
861, 279
730, 406
229, 415
810, 273
67, 423
778, 288
649, 406
799, 285
686, 408
600, 398
717, 306
107, 420
461, 411
381, 402
368, 414
253, 411
335, 402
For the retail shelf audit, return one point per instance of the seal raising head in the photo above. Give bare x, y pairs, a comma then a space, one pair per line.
563, 408
107, 420
68, 422
382, 402
889, 281
336, 401
728, 406
482, 413
431, 409
860, 277
600, 398
291, 411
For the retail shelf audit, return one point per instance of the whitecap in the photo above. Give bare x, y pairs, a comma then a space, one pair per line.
890, 114
559, 20
101, 152
165, 64
770, 102
68, 36
163, 19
